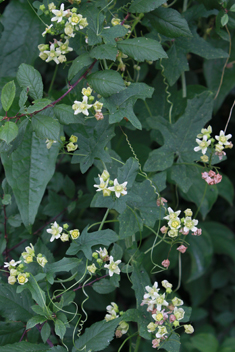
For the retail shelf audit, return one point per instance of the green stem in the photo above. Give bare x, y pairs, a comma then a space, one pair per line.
147, 107
128, 338
184, 87
137, 20
137, 343
204, 194
105, 64
98, 223
103, 221
185, 5
53, 79
180, 273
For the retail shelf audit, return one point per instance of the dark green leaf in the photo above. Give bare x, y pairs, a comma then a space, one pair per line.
24, 48
98, 336
129, 223
10, 332
45, 127
109, 34
8, 132
37, 293
173, 344
93, 147
106, 82
103, 286
169, 22
45, 332
23, 97
83, 60
30, 78
24, 346
8, 95
87, 240
28, 177
121, 105
60, 328
95, 19
183, 176
69, 187
38, 104
65, 264
205, 342
15, 306
37, 319
143, 6
142, 49
6, 199
104, 51
226, 190
65, 115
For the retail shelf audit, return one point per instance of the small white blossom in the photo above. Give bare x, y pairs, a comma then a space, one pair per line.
11, 263
22, 278
179, 313
166, 284
161, 331
119, 188
64, 47
81, 106
205, 132
152, 291
59, 14
55, 230
47, 30
113, 266
188, 329
68, 29
172, 214
98, 106
49, 143
223, 140
174, 225
103, 253
75, 19
102, 186
202, 145
177, 301
41, 261
112, 308
160, 301
11, 280
190, 224
53, 54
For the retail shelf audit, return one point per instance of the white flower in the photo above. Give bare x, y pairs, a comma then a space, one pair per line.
46, 30
173, 233
75, 19
68, 29
87, 91
188, 329
160, 301
174, 224
109, 317
11, 263
177, 301
223, 140
172, 214
102, 186
59, 14
92, 268
112, 308
49, 143
81, 106
161, 331
151, 327
64, 47
53, 54
103, 253
41, 260
11, 280
22, 278
30, 249
113, 266
98, 106
179, 313
188, 212
119, 189
55, 230
152, 291
202, 145
190, 224
205, 132
64, 237
166, 284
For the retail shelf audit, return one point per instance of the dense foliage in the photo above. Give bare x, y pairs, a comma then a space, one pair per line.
116, 175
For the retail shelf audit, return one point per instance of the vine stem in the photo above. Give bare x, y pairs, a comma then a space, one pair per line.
137, 343
122, 23
180, 273
137, 20
104, 218
48, 341
5, 232
230, 114
185, 5
53, 79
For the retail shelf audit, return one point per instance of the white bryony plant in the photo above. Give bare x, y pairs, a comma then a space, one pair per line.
118, 189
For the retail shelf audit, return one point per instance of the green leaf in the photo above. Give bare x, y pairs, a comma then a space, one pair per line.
24, 346
205, 342
27, 176
30, 78
222, 238
69, 187
98, 336
109, 34
38, 104
46, 127
37, 319
200, 251
173, 344
179, 138
226, 189
143, 6
103, 286
183, 176
23, 97
140, 317
6, 199
65, 264
8, 95
104, 51
87, 240
60, 328
10, 332
83, 60
95, 19
8, 132
129, 223
169, 22
65, 115
142, 49
93, 147
175, 65
37, 293
121, 105
224, 20
19, 43
116, 252
45, 332
15, 306
127, 173
58, 349
106, 82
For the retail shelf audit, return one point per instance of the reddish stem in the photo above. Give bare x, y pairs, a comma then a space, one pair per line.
128, 14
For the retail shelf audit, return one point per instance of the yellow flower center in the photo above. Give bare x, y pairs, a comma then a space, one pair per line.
175, 224
75, 19
75, 234
83, 106
21, 279
52, 54
172, 216
203, 144
159, 317
29, 259
118, 188
102, 185
223, 139
59, 14
63, 47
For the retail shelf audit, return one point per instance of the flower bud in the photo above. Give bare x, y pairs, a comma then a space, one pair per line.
95, 255
11, 280
105, 175
92, 268
71, 147
73, 139
99, 261
106, 192
64, 237
65, 226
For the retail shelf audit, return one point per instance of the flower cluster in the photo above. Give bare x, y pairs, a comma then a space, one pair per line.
83, 106
101, 256
17, 268
61, 232
66, 21
166, 314
211, 177
113, 313
119, 189
204, 140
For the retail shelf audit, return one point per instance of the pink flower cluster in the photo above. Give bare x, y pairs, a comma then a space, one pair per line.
211, 177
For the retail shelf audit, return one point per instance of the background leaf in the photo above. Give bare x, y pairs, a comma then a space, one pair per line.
30, 78
106, 82
8, 95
